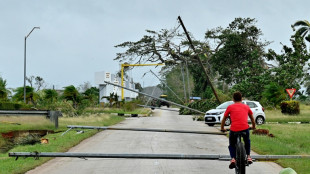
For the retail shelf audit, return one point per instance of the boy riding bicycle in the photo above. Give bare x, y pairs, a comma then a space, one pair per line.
238, 113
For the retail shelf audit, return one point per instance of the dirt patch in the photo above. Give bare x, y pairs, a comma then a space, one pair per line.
23, 137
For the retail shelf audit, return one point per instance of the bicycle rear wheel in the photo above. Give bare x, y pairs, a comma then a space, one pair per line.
240, 158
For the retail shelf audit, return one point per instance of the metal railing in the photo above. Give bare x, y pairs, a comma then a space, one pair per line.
51, 115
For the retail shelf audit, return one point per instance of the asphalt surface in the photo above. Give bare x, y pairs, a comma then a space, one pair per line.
117, 141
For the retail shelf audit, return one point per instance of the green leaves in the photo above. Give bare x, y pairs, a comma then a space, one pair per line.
274, 93
3, 91
303, 29
72, 94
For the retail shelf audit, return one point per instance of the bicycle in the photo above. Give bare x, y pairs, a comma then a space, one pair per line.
241, 156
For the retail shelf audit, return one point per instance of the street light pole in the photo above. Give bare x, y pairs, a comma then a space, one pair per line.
25, 62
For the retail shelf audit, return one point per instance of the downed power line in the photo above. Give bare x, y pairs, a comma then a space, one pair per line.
195, 110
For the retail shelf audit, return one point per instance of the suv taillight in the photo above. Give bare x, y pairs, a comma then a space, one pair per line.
263, 109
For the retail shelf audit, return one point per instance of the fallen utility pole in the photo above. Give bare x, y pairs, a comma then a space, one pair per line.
37, 155
199, 60
195, 110
142, 129
158, 108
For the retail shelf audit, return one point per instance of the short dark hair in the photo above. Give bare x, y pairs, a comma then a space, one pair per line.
237, 96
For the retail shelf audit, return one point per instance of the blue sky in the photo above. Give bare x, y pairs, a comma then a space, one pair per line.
77, 37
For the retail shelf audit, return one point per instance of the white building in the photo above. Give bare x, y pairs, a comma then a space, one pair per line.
106, 89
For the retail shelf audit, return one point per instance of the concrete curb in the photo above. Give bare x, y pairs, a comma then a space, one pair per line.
297, 122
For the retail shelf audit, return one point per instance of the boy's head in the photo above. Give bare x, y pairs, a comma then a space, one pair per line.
237, 96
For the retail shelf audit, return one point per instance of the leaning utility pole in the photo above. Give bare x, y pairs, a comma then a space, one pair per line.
199, 60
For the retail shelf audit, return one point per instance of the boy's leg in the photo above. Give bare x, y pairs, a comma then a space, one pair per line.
247, 141
232, 143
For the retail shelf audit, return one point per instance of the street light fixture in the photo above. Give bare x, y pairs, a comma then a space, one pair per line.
25, 62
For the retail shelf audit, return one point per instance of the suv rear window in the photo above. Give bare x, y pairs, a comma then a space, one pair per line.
251, 104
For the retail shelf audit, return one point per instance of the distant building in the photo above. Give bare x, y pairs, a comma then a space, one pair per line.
105, 89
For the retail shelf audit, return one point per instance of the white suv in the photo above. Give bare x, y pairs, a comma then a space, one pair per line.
215, 116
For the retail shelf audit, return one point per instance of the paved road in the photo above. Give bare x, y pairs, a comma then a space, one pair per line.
112, 141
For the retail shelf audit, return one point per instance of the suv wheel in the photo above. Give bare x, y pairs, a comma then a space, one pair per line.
227, 122
259, 120
210, 124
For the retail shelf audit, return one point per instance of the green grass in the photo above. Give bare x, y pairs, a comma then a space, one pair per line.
57, 143
275, 115
290, 139
143, 111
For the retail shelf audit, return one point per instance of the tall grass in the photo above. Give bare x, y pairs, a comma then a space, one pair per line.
57, 143
275, 115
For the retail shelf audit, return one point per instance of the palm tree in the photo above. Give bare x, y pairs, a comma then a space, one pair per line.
303, 30
3, 91
92, 94
31, 96
50, 94
71, 93
110, 98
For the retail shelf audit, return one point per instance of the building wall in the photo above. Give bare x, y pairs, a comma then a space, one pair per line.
105, 89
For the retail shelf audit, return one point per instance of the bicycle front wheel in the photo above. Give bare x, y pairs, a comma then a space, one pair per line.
240, 159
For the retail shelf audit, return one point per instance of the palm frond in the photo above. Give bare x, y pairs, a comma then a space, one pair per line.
302, 23
308, 38
302, 31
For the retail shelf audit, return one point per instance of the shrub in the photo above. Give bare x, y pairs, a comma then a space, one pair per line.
10, 106
130, 106
201, 105
290, 107
274, 93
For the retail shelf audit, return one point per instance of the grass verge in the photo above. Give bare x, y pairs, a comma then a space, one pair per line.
57, 143
275, 115
142, 111
290, 139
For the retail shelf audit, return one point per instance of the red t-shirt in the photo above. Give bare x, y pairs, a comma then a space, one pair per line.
239, 113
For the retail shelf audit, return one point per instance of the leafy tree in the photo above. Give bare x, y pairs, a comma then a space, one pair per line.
291, 70
154, 47
239, 56
31, 96
72, 94
274, 93
92, 94
174, 80
307, 84
164, 46
4, 92
303, 29
50, 94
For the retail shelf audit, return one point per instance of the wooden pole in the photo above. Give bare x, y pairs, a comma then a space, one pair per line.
199, 60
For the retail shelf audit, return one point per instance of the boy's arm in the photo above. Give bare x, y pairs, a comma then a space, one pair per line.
253, 121
224, 119
223, 123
